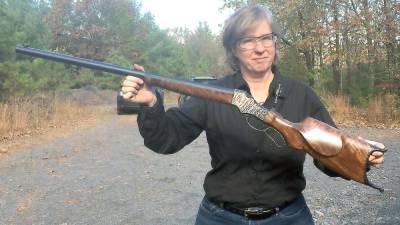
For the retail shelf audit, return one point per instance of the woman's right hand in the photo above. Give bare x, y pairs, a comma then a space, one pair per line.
135, 89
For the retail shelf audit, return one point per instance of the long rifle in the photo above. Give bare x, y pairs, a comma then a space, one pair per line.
348, 156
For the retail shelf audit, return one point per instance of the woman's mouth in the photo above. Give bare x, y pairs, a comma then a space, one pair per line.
260, 60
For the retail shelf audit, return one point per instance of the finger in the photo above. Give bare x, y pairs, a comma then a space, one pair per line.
128, 95
371, 159
130, 84
133, 79
138, 67
377, 154
376, 161
129, 89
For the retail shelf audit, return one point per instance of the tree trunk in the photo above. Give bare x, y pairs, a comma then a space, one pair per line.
347, 52
389, 34
336, 63
370, 47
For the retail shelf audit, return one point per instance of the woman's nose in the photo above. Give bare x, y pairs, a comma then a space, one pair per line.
259, 47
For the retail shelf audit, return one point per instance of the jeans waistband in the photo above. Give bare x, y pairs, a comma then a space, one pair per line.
253, 213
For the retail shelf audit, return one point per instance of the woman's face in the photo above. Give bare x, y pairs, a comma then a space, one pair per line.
256, 50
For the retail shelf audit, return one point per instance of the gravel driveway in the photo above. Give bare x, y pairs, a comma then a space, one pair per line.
104, 175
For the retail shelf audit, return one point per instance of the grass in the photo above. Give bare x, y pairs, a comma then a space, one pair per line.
22, 116
381, 111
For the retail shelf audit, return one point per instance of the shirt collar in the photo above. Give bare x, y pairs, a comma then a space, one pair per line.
278, 84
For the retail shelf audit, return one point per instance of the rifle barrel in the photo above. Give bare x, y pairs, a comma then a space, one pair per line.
186, 87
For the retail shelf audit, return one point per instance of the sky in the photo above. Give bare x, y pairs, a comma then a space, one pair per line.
187, 13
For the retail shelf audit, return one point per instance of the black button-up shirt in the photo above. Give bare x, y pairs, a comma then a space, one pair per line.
251, 163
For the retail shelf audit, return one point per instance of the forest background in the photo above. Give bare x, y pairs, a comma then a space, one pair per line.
348, 51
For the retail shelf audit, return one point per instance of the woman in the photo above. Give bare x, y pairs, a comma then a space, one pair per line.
255, 176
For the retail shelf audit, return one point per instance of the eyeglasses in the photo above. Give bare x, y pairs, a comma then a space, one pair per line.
250, 43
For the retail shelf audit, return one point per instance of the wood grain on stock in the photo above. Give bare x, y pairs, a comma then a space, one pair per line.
339, 152
200, 90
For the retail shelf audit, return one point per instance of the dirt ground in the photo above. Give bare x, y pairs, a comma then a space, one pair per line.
100, 173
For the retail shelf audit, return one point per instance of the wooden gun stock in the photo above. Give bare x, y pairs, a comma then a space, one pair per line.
347, 156
339, 152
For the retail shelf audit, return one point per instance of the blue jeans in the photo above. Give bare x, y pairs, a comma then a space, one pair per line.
296, 213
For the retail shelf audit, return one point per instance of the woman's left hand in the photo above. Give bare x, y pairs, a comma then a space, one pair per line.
376, 158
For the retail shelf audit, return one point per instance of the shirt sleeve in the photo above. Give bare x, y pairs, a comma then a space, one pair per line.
167, 132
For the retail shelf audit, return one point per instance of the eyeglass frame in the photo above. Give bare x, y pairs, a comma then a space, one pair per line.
254, 40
